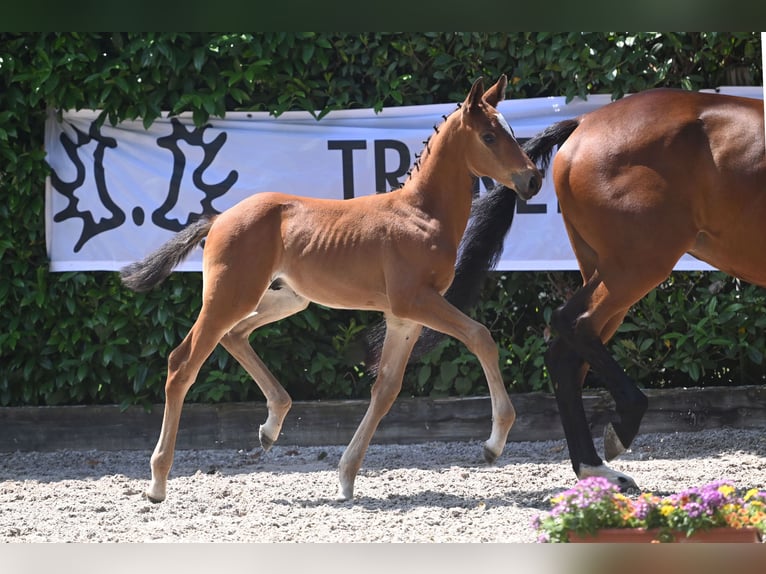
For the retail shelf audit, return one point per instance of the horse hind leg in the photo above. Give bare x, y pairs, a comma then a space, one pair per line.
590, 317
567, 371
397, 346
279, 302
184, 364
588, 338
630, 404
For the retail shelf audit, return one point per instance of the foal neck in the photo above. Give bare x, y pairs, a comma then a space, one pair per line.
441, 181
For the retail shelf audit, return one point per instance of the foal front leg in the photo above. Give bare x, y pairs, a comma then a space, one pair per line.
397, 346
436, 313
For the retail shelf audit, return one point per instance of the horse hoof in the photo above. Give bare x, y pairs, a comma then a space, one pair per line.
622, 481
344, 495
266, 441
154, 499
490, 456
627, 485
613, 446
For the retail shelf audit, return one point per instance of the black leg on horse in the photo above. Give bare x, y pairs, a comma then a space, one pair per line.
566, 368
630, 402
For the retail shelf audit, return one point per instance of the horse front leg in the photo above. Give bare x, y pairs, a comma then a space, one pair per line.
435, 312
397, 346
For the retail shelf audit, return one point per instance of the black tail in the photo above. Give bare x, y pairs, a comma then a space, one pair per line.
156, 267
540, 148
481, 245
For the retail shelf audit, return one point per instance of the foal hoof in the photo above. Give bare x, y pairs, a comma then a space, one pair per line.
489, 456
613, 446
266, 441
152, 498
344, 494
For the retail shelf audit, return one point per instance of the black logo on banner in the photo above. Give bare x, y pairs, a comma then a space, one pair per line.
211, 191
91, 227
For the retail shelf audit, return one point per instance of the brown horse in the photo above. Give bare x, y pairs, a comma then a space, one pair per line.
640, 182
270, 255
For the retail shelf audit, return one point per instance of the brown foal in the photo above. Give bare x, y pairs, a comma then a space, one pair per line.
270, 255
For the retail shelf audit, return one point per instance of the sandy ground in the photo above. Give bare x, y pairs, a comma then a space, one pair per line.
433, 492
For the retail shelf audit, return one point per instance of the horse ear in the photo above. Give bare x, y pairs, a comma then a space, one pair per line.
473, 100
496, 93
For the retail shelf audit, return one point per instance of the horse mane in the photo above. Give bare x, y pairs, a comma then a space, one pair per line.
427, 141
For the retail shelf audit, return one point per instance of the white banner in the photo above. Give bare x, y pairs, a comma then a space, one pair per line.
118, 192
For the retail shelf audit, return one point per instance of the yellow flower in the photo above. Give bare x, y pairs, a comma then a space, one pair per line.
666, 509
726, 489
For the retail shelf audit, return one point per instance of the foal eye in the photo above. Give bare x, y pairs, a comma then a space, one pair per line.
489, 138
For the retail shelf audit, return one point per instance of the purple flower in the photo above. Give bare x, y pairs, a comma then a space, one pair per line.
642, 508
694, 509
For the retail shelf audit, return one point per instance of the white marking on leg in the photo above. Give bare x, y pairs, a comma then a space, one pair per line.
613, 476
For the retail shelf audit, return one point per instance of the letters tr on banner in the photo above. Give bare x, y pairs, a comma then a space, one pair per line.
116, 193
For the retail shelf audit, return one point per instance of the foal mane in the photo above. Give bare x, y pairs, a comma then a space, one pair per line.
426, 144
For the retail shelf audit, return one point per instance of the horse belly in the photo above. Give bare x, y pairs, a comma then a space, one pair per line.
339, 284
741, 256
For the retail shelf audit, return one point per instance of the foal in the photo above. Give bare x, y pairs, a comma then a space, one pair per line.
270, 255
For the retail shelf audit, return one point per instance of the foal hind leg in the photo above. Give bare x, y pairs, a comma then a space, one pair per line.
277, 303
184, 363
397, 346
435, 312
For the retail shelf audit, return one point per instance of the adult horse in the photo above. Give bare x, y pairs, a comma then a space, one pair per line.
640, 182
267, 257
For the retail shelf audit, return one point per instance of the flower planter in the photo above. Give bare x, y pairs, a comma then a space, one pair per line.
622, 535
717, 512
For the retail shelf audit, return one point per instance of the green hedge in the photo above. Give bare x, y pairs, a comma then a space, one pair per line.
77, 338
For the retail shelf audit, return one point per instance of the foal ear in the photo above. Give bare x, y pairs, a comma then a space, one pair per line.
496, 93
473, 101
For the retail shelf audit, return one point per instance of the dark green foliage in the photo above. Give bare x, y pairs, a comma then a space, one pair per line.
76, 338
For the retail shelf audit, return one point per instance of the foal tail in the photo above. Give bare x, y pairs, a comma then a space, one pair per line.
482, 243
157, 266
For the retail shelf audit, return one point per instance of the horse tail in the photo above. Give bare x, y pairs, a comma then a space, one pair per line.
491, 219
157, 266
540, 148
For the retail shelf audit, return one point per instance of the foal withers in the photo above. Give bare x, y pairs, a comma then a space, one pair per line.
270, 255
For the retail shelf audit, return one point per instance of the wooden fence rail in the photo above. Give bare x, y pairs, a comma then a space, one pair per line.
411, 420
